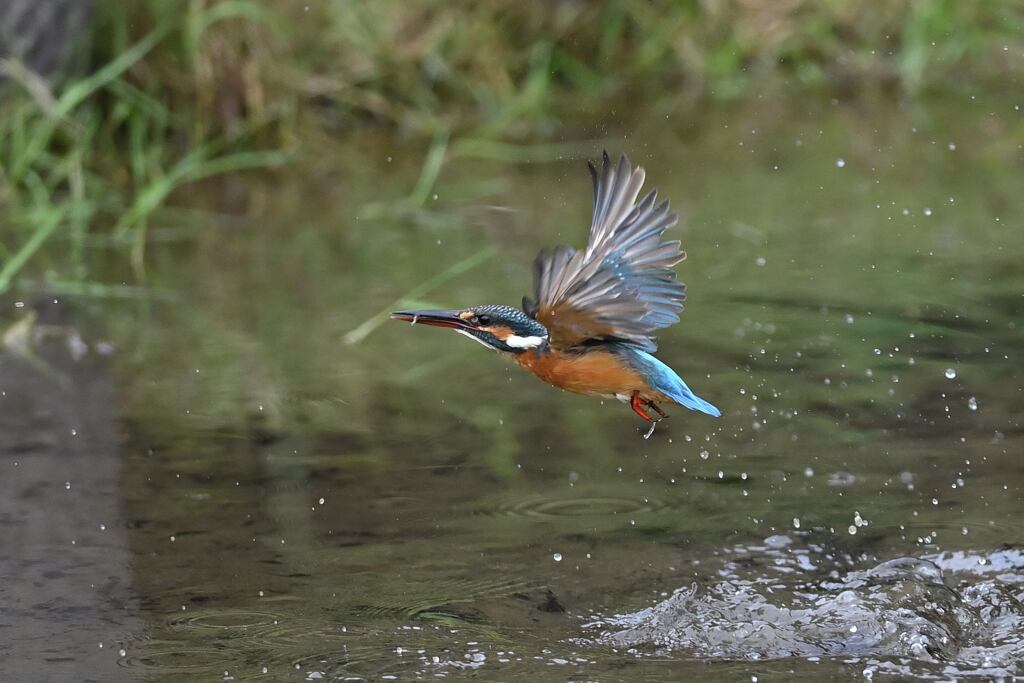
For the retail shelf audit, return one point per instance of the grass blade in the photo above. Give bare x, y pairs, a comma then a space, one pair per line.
363, 331
31, 246
431, 169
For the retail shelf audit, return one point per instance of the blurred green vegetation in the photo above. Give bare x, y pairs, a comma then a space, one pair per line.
175, 93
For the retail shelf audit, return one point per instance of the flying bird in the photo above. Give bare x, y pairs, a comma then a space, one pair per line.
589, 327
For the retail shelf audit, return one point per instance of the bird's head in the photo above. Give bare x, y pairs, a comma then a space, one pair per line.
502, 328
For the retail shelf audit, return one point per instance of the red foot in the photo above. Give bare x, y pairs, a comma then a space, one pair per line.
637, 404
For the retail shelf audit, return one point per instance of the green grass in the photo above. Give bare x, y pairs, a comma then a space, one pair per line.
178, 92
99, 157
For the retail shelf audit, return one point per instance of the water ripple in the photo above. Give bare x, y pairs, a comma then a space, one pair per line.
593, 506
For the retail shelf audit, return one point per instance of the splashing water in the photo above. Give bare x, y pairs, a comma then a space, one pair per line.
904, 609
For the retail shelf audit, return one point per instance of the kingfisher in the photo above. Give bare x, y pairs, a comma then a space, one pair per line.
590, 325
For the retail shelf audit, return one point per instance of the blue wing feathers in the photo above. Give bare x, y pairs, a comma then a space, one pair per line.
664, 379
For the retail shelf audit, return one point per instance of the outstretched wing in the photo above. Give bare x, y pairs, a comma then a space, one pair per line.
622, 285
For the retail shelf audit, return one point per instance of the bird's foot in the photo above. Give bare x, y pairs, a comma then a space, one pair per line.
639, 404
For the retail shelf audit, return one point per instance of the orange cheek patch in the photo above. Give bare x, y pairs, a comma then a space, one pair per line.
499, 331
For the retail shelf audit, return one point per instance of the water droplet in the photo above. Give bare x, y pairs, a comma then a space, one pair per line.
557, 557
321, 501
67, 485
852, 530
950, 373
796, 522
927, 211
840, 163
761, 260
972, 403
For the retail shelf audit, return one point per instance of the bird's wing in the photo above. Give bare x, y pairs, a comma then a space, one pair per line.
622, 285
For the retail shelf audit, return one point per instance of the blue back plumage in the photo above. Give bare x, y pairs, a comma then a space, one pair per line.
664, 379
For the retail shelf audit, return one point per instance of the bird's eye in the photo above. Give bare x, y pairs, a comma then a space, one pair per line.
483, 320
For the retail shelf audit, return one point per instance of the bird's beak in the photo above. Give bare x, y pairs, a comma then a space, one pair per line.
435, 318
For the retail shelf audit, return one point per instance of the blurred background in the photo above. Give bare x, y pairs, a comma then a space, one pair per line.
218, 460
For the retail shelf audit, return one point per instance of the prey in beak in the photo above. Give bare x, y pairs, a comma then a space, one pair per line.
437, 318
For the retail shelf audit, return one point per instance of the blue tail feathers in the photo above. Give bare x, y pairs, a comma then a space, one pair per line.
685, 397
664, 379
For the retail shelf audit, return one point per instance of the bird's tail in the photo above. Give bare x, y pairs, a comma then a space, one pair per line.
664, 379
683, 396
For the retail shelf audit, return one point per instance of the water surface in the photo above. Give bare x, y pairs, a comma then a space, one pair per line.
256, 498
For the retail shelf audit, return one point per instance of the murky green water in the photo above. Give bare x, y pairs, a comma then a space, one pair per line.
230, 491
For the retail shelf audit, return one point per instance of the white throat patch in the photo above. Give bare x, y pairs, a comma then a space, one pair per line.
513, 340
517, 342
464, 333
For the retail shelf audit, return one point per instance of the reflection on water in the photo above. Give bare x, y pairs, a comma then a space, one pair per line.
291, 507
66, 599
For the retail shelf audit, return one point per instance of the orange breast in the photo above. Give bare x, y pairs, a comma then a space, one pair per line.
596, 373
